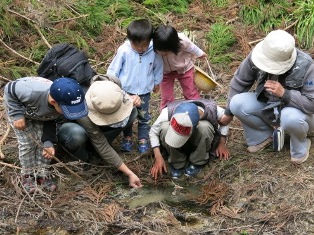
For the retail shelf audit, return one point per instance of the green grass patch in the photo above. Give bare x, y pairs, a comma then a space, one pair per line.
304, 15
220, 38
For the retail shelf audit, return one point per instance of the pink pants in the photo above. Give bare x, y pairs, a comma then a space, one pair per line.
186, 80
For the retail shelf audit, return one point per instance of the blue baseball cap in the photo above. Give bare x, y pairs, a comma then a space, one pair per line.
70, 96
183, 122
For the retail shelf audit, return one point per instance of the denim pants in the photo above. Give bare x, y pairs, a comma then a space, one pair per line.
257, 128
186, 81
143, 117
195, 151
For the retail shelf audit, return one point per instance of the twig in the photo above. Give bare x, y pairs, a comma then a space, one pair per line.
5, 79
15, 52
285, 29
34, 24
55, 158
42, 36
3, 139
10, 165
19, 208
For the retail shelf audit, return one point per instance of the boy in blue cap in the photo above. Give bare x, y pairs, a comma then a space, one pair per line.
32, 105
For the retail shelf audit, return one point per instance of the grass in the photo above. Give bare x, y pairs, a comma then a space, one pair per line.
304, 15
265, 15
220, 38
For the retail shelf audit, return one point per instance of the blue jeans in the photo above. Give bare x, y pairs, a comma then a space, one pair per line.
143, 117
257, 128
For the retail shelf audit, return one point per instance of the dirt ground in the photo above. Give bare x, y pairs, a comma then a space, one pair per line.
248, 194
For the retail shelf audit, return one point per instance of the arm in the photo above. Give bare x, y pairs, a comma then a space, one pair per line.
105, 151
116, 64
242, 81
158, 69
159, 164
222, 150
134, 181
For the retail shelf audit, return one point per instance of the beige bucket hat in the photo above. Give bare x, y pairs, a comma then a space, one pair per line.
107, 103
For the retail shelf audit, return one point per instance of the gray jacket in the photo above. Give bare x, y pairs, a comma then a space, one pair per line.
298, 83
28, 98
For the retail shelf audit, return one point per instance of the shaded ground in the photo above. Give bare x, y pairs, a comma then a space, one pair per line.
249, 194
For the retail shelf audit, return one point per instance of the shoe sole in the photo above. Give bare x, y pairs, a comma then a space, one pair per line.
264, 145
303, 159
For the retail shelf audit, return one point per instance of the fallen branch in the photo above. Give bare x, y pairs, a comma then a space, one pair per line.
15, 52
55, 158
5, 79
3, 139
10, 165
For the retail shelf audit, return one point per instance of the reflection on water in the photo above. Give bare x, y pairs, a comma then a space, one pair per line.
171, 195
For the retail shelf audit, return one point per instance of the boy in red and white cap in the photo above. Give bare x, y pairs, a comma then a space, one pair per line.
189, 130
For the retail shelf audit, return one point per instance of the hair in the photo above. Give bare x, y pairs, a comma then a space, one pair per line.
165, 38
140, 30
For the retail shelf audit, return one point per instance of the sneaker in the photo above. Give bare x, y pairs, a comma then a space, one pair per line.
28, 183
192, 170
176, 173
47, 184
261, 146
305, 157
143, 146
126, 145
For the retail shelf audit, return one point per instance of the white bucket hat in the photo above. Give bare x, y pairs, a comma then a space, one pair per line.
276, 54
107, 103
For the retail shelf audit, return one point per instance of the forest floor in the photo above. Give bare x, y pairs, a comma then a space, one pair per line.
261, 193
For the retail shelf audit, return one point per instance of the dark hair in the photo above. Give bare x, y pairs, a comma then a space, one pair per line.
140, 30
165, 38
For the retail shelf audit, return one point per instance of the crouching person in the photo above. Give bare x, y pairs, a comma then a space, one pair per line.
189, 131
32, 105
111, 110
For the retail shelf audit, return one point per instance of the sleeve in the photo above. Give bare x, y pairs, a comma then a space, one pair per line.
224, 130
116, 64
100, 142
190, 47
49, 136
15, 97
302, 99
156, 128
158, 69
242, 80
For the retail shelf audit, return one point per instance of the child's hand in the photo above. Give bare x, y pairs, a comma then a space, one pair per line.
49, 152
136, 100
156, 89
20, 124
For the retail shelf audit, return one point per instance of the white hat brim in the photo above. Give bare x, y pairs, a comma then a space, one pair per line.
174, 139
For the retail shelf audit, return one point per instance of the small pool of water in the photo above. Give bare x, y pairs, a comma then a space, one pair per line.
170, 194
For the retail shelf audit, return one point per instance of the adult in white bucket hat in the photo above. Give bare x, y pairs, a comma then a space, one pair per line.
284, 95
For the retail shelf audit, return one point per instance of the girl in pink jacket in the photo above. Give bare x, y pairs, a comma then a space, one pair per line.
178, 54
